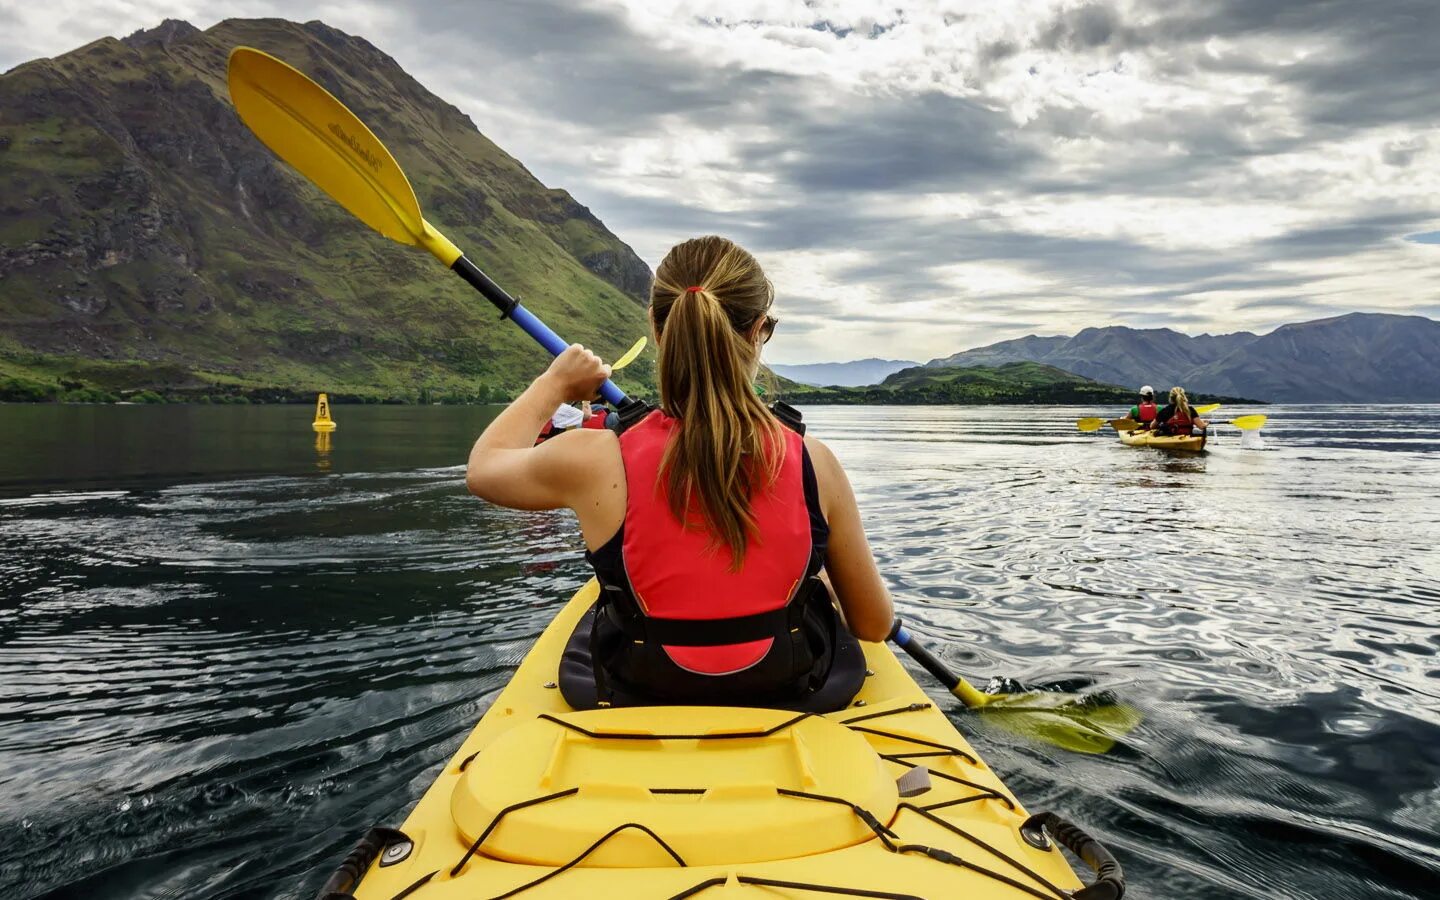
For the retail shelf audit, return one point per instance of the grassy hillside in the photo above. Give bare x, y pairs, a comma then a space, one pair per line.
149, 241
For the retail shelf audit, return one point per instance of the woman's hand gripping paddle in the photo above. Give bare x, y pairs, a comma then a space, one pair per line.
1077, 722
328, 144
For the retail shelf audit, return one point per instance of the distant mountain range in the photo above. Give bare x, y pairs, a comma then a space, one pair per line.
857, 373
1013, 382
1361, 357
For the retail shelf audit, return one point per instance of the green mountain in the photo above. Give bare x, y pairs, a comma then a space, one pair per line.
149, 240
1016, 382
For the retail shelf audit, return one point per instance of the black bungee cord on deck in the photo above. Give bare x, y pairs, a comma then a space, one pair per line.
1109, 884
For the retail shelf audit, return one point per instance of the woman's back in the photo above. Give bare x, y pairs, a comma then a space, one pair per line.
707, 522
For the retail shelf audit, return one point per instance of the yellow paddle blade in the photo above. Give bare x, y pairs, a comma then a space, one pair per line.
630, 355
1207, 408
308, 128
1092, 424
1070, 721
1124, 424
1249, 423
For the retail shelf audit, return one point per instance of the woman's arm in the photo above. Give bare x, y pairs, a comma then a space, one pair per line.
848, 560
505, 465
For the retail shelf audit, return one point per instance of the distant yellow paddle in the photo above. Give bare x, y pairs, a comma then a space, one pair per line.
630, 355
1127, 424
1246, 423
1095, 424
314, 132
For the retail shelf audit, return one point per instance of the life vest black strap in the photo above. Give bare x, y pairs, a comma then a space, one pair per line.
789, 416
629, 414
773, 623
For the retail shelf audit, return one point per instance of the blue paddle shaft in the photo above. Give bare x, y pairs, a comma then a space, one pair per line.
528, 322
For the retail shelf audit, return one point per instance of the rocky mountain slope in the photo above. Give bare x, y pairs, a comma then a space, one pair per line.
149, 240
1361, 357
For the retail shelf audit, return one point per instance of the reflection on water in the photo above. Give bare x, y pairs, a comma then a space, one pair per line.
323, 442
221, 661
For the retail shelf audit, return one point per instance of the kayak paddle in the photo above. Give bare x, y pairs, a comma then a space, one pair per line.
1246, 423
630, 355
1077, 722
1095, 423
308, 128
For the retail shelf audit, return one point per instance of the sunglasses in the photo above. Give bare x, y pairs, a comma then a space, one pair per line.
767, 330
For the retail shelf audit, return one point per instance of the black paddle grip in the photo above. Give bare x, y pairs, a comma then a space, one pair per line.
1109, 877
921, 654
482, 283
340, 884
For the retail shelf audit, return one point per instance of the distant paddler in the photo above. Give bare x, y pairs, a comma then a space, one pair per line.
563, 419
1178, 417
597, 415
1146, 410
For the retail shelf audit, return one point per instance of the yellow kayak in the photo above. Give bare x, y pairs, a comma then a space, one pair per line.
1163, 441
883, 799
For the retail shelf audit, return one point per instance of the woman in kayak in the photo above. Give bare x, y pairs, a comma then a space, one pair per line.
1178, 417
708, 522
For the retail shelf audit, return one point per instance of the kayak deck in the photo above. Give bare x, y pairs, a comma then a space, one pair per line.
1162, 441
541, 801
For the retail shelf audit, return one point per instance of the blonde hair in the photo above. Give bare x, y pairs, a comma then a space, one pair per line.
708, 298
1181, 404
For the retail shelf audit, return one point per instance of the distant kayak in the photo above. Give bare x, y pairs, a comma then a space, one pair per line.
883, 799
1163, 441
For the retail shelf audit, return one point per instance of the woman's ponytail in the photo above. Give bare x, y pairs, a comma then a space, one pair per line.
709, 296
1180, 402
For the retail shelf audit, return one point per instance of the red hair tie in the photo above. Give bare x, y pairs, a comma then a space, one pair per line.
694, 290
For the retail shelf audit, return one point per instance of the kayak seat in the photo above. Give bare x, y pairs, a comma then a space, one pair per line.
838, 675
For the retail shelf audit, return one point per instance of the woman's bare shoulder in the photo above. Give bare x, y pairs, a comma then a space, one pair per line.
820, 454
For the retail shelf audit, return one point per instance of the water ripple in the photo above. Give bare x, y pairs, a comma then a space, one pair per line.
210, 686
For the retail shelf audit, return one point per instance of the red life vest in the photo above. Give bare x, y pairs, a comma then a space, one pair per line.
1148, 409
1179, 423
546, 433
595, 421
676, 572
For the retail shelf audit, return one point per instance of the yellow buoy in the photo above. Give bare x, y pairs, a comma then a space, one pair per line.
323, 422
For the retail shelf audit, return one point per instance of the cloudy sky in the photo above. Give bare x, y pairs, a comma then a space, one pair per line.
920, 178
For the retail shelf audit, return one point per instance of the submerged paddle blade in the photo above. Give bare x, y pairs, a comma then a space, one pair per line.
1124, 424
630, 355
314, 132
1092, 424
1082, 723
1249, 423
1075, 722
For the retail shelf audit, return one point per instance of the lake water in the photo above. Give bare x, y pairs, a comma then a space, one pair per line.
226, 651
